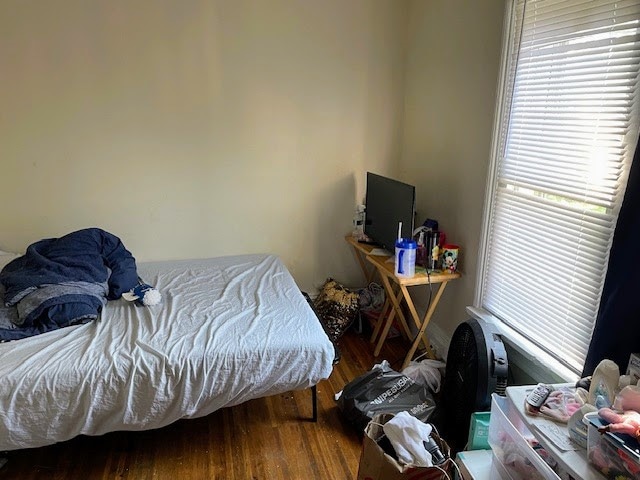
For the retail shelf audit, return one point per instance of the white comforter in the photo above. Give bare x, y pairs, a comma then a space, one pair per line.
229, 329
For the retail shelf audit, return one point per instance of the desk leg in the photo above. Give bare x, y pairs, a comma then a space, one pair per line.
423, 327
380, 322
395, 300
386, 310
385, 332
414, 315
368, 273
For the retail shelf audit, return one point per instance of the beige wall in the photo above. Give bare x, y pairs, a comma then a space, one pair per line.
201, 127
451, 78
211, 127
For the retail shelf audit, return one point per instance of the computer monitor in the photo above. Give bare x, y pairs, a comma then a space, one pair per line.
388, 202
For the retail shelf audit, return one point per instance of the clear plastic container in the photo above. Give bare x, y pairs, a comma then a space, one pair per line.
614, 455
511, 442
498, 472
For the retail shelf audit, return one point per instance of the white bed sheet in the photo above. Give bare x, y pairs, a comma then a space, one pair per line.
229, 329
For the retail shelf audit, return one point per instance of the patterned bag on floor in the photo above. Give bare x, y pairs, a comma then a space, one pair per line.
337, 306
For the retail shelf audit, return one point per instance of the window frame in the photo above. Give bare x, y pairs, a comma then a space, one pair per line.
543, 363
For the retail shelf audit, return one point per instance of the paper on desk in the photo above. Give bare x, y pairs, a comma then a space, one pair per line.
555, 433
379, 252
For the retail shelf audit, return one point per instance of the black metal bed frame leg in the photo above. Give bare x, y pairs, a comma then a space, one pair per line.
314, 401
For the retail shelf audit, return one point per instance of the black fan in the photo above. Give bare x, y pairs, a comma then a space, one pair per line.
476, 367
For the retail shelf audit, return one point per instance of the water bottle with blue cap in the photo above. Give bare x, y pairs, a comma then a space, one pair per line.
405, 255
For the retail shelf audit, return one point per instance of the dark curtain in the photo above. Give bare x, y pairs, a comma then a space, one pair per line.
617, 329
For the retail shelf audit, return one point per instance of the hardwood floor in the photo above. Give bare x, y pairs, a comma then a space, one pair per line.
267, 438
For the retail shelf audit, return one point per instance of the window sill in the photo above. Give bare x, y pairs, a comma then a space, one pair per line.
530, 358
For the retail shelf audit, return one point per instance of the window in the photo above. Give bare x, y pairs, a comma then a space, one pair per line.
564, 139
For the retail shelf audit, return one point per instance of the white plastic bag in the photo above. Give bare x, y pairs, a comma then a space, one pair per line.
426, 373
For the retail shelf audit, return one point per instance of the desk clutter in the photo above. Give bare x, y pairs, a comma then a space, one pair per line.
433, 252
585, 431
425, 251
397, 294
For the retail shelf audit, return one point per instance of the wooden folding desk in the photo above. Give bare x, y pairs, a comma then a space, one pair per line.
361, 250
385, 269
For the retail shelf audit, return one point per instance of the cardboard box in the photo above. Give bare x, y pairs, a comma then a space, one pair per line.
375, 464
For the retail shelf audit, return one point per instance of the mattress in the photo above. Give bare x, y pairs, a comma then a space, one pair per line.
229, 329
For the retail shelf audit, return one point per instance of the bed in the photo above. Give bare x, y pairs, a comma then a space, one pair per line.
228, 330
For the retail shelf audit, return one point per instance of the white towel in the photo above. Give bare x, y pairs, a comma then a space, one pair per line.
407, 434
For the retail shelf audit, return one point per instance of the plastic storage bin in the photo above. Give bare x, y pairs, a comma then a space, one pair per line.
498, 471
614, 455
511, 443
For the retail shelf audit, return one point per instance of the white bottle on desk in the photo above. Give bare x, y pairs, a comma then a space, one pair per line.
358, 223
405, 257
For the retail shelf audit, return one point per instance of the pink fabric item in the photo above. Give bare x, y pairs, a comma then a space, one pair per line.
560, 405
626, 422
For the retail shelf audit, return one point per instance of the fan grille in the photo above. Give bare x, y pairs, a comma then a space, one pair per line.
470, 379
460, 386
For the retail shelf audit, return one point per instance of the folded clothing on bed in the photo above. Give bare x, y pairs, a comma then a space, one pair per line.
64, 281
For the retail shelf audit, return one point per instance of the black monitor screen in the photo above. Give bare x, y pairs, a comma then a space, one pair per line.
388, 202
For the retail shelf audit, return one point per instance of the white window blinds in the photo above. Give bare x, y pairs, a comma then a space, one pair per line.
567, 132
